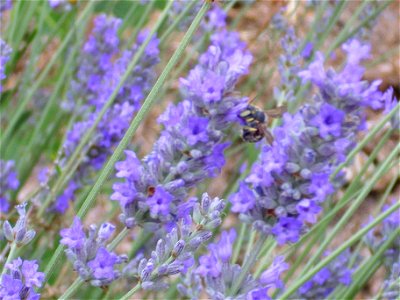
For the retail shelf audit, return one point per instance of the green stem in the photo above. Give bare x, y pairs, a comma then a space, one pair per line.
238, 244
248, 264
72, 289
360, 276
17, 115
142, 20
298, 283
129, 294
124, 232
10, 256
351, 210
177, 20
366, 140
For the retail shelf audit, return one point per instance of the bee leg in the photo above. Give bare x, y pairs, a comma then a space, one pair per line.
268, 137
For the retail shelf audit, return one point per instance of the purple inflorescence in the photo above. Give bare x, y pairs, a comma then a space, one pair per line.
97, 77
286, 187
19, 234
323, 283
20, 279
62, 5
5, 52
391, 258
190, 148
5, 5
174, 253
89, 254
8, 182
219, 275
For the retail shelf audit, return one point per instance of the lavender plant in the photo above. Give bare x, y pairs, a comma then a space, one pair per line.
83, 76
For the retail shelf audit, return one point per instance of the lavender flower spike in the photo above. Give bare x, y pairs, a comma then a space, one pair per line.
20, 279
97, 77
174, 253
8, 182
5, 52
191, 146
19, 234
285, 189
89, 254
220, 275
327, 279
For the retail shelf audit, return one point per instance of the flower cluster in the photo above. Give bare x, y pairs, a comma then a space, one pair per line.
391, 258
391, 285
5, 52
289, 65
20, 279
327, 279
8, 182
287, 185
5, 5
174, 253
63, 5
375, 238
89, 254
190, 148
19, 234
220, 275
97, 78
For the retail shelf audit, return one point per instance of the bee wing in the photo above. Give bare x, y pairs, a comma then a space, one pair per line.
276, 112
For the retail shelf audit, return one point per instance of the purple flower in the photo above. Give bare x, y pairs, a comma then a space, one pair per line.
196, 131
5, 52
103, 264
271, 276
308, 210
209, 265
89, 254
8, 182
376, 237
73, 237
323, 283
328, 121
258, 294
224, 246
10, 287
159, 202
5, 5
244, 200
19, 280
287, 230
30, 272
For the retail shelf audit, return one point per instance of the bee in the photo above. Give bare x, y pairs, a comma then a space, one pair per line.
255, 120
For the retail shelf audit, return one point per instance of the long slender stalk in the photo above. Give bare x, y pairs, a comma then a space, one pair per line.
248, 264
10, 257
150, 100
366, 140
72, 289
359, 277
21, 107
356, 203
303, 279
128, 295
